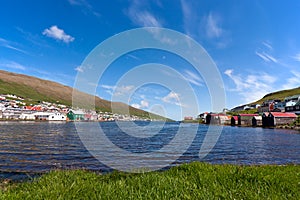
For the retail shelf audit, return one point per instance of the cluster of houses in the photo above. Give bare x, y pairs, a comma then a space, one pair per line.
13, 107
270, 113
289, 104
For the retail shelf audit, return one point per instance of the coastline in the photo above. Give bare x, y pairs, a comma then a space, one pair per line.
292, 127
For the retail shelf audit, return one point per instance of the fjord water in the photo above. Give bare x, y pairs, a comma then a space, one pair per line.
37, 147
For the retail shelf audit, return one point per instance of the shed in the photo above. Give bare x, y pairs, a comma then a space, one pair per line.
245, 119
234, 120
224, 119
220, 119
278, 118
257, 121
212, 118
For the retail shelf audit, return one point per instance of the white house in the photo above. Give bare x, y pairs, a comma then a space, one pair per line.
57, 117
292, 100
49, 116
27, 116
290, 103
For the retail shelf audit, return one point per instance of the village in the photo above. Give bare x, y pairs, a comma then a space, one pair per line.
271, 113
13, 107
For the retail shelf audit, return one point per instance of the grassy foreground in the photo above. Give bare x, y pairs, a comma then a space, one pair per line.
189, 181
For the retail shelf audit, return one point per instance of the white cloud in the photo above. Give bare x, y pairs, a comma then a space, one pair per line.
268, 45
213, 26
146, 19
136, 105
210, 22
141, 17
262, 56
85, 5
254, 86
172, 98
293, 81
117, 90
188, 15
109, 87
141, 105
144, 104
251, 87
228, 72
121, 90
79, 69
133, 57
202, 27
297, 57
271, 58
266, 57
10, 45
79, 3
264, 53
192, 78
12, 65
58, 34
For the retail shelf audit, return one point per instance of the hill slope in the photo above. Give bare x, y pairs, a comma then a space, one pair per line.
279, 95
274, 95
33, 89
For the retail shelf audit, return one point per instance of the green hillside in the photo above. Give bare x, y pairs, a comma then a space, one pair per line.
271, 96
279, 95
34, 90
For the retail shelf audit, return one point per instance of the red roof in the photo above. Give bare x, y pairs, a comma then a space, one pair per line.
280, 114
36, 108
236, 118
28, 107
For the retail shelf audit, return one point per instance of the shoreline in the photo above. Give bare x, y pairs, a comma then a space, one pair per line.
295, 127
289, 127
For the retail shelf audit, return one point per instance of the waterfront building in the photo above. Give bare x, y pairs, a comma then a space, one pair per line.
277, 118
75, 115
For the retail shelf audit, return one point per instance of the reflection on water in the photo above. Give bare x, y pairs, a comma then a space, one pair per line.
39, 147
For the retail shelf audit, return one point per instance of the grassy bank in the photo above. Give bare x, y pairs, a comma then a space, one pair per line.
189, 181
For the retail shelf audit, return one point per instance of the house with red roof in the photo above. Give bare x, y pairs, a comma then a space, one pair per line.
246, 119
242, 119
277, 118
217, 118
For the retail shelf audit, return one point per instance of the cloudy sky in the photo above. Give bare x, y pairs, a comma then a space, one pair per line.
254, 44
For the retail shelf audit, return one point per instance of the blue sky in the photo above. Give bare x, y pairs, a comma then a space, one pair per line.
255, 45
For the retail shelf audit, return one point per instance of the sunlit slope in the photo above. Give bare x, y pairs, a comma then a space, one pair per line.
33, 89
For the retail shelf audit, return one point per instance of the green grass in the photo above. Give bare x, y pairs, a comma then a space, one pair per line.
189, 181
30, 95
251, 111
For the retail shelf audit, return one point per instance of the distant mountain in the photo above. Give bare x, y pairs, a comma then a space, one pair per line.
33, 90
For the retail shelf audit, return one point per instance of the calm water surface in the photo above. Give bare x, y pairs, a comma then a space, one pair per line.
37, 147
